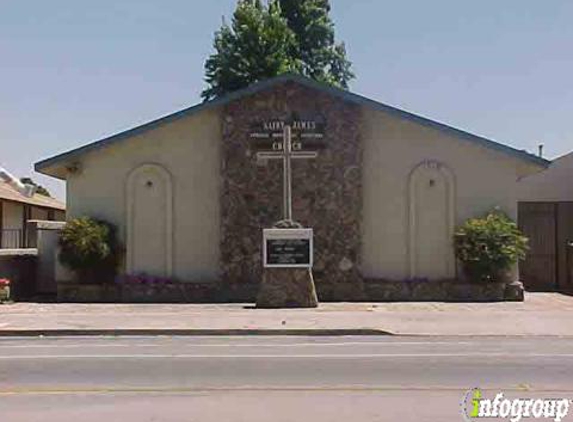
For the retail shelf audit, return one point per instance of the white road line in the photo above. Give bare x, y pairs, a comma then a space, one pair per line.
81, 390
299, 356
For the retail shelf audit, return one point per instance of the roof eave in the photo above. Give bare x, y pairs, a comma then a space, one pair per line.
56, 170
51, 165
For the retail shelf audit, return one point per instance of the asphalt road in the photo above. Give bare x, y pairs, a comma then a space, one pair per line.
271, 378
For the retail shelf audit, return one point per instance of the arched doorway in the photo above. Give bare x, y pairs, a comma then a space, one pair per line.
431, 221
149, 221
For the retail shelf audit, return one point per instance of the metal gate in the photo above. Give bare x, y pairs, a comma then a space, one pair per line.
549, 227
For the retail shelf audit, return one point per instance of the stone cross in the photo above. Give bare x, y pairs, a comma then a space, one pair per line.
287, 154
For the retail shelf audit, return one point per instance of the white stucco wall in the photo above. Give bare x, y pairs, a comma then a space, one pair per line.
393, 147
189, 150
552, 185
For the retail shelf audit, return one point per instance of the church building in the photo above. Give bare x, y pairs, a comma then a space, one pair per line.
383, 189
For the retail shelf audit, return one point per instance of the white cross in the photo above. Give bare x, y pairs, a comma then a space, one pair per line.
287, 154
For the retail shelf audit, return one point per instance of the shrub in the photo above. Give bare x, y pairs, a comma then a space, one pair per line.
90, 248
489, 246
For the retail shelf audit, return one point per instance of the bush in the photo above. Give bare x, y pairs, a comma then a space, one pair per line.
488, 247
90, 248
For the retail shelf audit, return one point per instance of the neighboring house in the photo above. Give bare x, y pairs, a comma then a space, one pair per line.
555, 184
546, 217
190, 192
17, 207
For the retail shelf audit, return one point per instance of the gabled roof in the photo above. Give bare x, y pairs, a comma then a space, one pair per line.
8, 193
69, 157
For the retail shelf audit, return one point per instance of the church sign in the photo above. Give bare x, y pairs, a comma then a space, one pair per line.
307, 135
288, 248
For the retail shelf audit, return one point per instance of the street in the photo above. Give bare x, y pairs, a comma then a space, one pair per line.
254, 379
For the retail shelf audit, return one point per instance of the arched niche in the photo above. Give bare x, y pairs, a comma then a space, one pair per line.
149, 221
431, 221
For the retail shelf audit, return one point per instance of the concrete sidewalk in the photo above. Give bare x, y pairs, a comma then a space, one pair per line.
542, 314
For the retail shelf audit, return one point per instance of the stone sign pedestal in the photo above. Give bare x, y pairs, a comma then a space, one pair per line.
287, 288
287, 274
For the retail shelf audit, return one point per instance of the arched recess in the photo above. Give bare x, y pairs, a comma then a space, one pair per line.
432, 193
149, 221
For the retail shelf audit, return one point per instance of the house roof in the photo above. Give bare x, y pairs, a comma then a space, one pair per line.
8, 193
68, 157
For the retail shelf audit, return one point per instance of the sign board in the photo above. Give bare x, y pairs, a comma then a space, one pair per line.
301, 129
288, 248
307, 135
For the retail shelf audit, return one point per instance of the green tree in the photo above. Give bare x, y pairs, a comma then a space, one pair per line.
269, 39
40, 190
255, 46
322, 58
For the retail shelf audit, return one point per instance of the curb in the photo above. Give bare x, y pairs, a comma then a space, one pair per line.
134, 332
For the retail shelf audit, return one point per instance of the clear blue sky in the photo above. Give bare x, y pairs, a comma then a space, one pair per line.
72, 72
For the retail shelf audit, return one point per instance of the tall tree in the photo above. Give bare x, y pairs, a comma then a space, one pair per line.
257, 45
322, 58
269, 39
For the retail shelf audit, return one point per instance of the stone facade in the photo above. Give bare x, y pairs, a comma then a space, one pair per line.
327, 191
287, 288
173, 292
442, 291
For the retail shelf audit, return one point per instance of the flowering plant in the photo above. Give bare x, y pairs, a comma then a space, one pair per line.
4, 282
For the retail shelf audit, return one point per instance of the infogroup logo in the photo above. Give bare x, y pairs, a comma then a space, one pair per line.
475, 407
